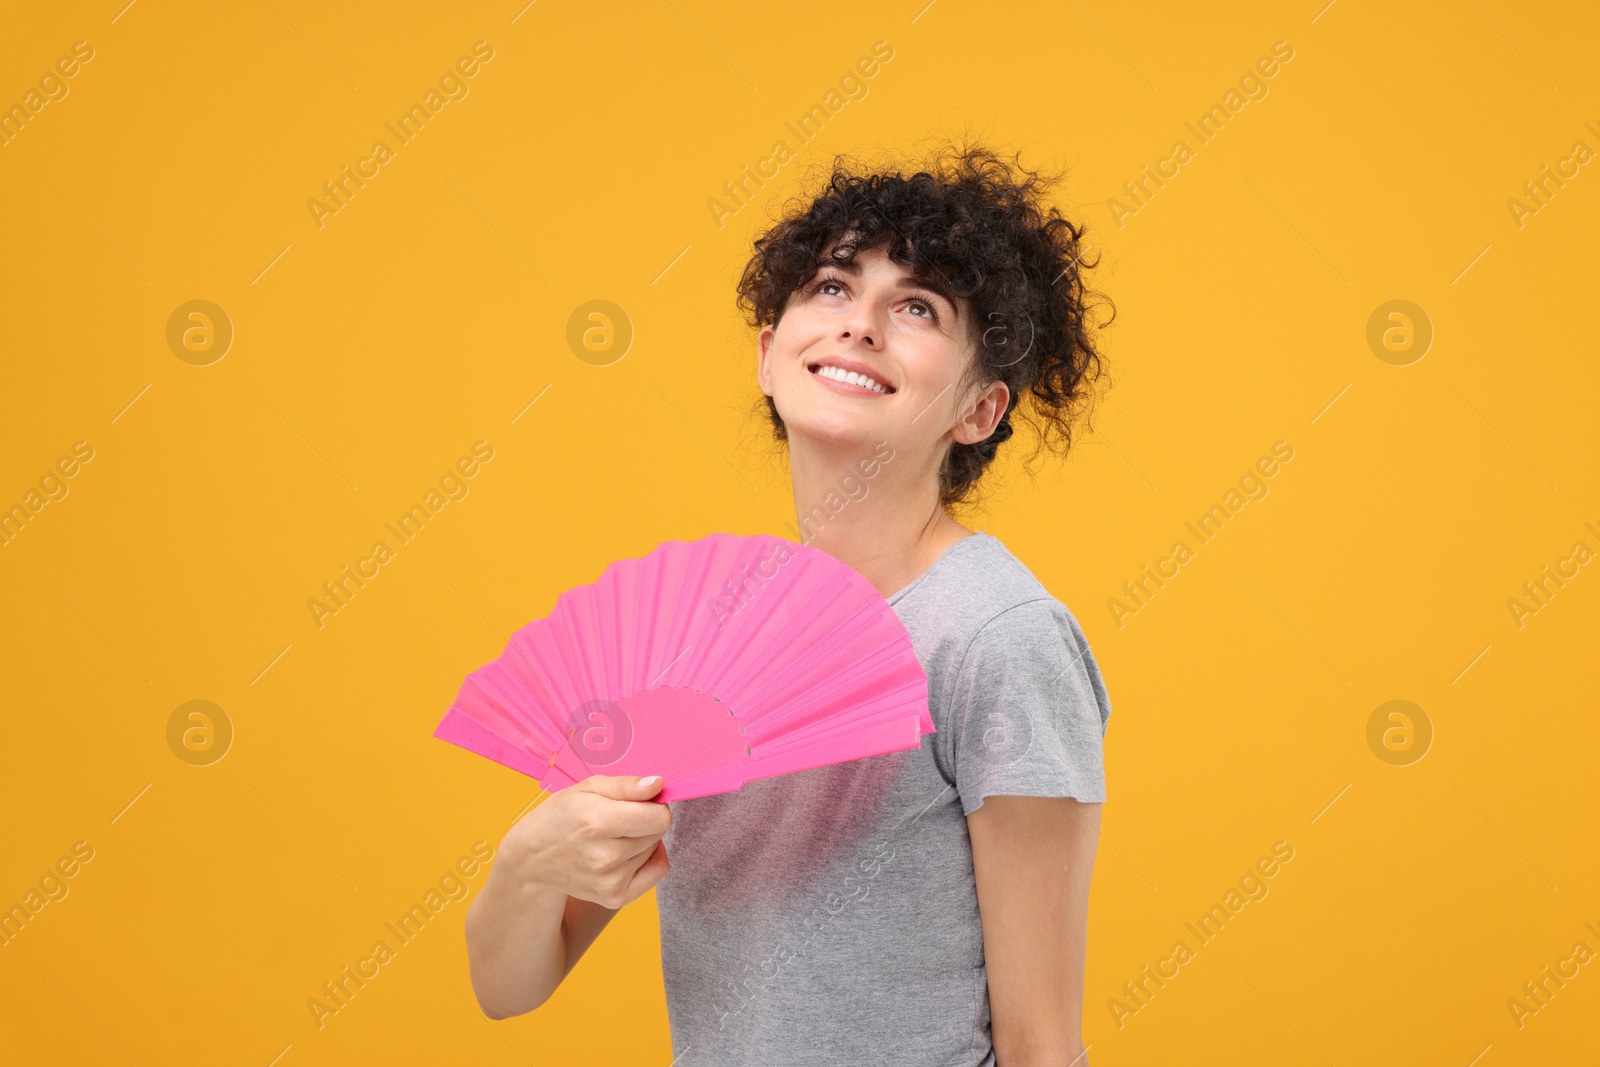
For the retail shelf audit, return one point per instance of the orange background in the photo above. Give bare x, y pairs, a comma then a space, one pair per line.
428, 313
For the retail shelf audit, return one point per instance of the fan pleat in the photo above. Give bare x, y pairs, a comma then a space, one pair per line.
606, 644
754, 637
784, 691
551, 650
696, 572
803, 691
622, 630
879, 712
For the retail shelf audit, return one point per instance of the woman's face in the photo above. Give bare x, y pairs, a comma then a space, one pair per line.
877, 318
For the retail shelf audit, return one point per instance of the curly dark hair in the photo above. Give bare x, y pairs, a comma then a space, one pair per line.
982, 226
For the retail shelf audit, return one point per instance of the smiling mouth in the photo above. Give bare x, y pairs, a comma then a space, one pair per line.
845, 377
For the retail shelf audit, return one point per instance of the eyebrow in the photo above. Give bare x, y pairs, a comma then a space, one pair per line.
853, 268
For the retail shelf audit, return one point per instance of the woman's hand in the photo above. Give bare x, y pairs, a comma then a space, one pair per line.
561, 873
598, 840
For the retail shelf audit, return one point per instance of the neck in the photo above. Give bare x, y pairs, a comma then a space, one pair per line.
872, 507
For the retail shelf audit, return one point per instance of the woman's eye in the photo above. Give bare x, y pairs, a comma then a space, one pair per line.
823, 288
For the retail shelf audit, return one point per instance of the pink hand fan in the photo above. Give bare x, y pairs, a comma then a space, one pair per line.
711, 663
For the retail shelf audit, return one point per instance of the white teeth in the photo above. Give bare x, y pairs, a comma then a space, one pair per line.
839, 374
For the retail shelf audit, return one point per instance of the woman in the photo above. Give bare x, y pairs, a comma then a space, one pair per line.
919, 907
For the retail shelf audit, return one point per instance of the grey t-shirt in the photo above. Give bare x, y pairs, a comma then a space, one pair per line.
830, 917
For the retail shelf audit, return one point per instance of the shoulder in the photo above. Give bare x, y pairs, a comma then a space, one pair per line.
976, 580
983, 603
1030, 641
999, 598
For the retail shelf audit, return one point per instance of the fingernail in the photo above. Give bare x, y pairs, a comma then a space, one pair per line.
650, 782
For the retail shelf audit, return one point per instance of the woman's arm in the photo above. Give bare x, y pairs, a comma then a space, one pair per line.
523, 941
1033, 857
562, 872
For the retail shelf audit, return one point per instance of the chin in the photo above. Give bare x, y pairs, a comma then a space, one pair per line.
832, 428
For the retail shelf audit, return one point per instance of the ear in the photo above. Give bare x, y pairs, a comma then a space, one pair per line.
987, 410
763, 344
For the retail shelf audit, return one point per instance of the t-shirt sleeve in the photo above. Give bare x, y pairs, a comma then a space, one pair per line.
1028, 710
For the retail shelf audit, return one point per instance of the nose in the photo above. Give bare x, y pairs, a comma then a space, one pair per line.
862, 323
